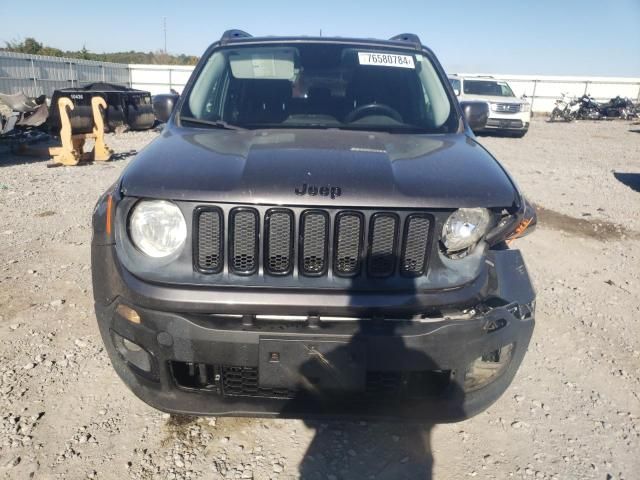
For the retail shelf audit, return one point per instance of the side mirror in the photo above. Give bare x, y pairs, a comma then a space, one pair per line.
476, 114
163, 105
456, 91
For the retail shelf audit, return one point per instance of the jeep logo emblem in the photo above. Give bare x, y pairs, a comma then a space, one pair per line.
313, 190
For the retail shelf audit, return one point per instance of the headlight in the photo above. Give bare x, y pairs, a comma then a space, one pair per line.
525, 107
493, 107
464, 228
157, 228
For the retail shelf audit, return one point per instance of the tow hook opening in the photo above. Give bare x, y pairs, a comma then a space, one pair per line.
135, 355
487, 368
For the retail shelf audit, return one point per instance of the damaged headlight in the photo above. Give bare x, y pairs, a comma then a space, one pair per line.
157, 228
464, 228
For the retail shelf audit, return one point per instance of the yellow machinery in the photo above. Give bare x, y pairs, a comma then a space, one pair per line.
72, 150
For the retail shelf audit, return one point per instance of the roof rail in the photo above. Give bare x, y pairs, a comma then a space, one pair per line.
230, 35
408, 37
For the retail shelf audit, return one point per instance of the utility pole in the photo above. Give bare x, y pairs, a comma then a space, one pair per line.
164, 28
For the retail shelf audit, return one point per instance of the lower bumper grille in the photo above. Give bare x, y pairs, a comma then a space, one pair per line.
241, 381
501, 123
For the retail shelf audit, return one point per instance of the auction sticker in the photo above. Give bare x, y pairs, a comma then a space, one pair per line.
385, 59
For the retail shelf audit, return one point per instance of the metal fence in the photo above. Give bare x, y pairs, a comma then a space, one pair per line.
37, 75
160, 78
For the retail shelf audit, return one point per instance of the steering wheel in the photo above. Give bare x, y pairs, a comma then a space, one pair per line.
369, 109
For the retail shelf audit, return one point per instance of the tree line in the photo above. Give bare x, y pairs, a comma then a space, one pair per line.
32, 46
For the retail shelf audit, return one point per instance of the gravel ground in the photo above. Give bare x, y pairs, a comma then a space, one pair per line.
572, 412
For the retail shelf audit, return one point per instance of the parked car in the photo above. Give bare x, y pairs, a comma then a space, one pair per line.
315, 232
507, 113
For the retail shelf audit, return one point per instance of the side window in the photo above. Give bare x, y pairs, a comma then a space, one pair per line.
217, 96
438, 106
204, 101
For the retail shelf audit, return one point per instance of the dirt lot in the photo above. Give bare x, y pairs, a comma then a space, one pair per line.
573, 411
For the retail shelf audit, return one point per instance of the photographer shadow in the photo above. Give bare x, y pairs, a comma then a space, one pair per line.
378, 425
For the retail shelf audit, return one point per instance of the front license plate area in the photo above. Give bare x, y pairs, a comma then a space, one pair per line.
314, 366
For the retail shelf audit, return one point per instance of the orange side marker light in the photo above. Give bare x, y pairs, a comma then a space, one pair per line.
519, 230
109, 212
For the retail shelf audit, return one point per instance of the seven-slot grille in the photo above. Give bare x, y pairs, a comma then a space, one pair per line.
380, 244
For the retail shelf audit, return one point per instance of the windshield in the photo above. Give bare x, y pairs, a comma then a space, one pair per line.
487, 87
320, 86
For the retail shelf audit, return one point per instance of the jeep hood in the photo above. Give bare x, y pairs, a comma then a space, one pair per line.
371, 169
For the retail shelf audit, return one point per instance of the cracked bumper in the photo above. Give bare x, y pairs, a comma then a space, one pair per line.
234, 328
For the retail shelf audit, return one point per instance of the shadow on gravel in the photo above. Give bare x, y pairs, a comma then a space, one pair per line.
344, 383
123, 155
384, 451
581, 227
8, 158
631, 180
378, 376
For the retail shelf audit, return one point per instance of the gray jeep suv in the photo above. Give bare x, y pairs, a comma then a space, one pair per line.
315, 232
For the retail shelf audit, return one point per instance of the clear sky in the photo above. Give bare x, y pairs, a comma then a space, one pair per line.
554, 37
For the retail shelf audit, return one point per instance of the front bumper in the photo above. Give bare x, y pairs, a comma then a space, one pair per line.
209, 350
508, 122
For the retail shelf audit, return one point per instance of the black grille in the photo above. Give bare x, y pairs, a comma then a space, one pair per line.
243, 381
244, 243
311, 243
279, 242
414, 249
348, 243
382, 244
209, 254
314, 242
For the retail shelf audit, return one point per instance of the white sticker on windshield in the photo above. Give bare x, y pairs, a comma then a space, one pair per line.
385, 60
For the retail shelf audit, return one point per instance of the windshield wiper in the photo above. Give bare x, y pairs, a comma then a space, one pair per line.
211, 123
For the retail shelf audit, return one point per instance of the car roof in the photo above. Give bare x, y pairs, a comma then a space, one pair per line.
404, 40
